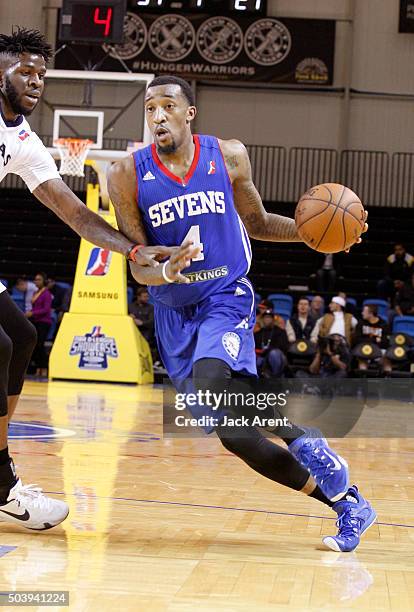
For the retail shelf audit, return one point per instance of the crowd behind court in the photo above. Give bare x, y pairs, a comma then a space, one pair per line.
309, 335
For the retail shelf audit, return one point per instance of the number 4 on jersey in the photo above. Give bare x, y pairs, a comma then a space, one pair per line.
194, 235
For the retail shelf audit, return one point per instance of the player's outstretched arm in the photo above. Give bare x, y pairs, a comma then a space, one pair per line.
122, 191
57, 196
259, 223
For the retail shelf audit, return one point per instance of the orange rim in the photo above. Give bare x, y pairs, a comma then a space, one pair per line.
74, 144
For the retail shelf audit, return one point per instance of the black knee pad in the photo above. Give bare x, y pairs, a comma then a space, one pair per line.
6, 350
24, 344
208, 368
29, 336
241, 441
4, 408
211, 374
232, 444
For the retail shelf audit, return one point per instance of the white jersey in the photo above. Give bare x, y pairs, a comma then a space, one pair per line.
23, 153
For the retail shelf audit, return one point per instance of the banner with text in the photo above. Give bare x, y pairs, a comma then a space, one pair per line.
299, 51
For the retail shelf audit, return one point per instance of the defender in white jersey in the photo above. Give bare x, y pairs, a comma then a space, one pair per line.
23, 57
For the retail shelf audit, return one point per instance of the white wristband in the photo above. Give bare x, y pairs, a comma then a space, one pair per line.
164, 274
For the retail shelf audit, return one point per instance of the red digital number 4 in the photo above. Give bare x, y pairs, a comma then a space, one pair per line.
106, 22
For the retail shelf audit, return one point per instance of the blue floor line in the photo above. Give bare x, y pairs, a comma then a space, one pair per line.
185, 504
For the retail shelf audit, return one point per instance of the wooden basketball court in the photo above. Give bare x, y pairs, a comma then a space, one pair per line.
181, 525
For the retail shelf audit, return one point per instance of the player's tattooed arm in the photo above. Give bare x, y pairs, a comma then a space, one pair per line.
57, 196
259, 223
122, 190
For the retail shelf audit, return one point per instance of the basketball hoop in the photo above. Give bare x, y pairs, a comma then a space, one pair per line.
73, 153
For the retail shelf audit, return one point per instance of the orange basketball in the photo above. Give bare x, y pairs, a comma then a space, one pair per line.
329, 218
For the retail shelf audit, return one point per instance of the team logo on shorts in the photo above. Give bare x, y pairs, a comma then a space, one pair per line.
94, 349
99, 262
231, 344
171, 37
219, 40
135, 39
267, 42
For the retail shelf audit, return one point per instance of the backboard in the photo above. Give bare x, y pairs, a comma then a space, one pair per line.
106, 107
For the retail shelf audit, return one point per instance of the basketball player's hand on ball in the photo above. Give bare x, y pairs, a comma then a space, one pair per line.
181, 259
363, 231
152, 255
330, 218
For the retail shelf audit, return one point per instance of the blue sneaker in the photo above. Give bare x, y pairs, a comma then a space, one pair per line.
328, 469
355, 516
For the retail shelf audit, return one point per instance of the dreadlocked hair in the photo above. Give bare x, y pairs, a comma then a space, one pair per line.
23, 40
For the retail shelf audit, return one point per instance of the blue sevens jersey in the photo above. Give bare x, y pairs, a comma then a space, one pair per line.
200, 208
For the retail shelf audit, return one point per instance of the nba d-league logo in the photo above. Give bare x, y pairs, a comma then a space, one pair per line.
98, 262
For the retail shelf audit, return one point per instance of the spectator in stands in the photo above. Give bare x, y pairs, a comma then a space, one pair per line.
337, 321
317, 307
326, 274
398, 268
349, 307
332, 358
300, 325
66, 302
28, 289
404, 298
261, 309
41, 317
372, 329
64, 307
58, 293
271, 346
143, 314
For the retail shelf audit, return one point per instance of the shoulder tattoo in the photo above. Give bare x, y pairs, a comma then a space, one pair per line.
231, 161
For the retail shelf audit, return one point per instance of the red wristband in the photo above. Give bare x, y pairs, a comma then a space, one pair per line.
132, 251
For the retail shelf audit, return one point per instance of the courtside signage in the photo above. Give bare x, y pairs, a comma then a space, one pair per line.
94, 349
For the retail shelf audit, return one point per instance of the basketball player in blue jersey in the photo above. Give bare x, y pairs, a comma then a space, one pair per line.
197, 191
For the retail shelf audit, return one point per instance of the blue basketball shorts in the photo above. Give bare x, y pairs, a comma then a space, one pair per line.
219, 327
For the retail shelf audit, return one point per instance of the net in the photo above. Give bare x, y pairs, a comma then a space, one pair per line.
73, 153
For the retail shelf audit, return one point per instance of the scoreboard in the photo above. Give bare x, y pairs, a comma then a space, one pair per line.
97, 21
102, 21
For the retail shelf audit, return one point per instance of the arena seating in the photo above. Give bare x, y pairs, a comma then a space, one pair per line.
276, 266
403, 325
281, 302
34, 239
